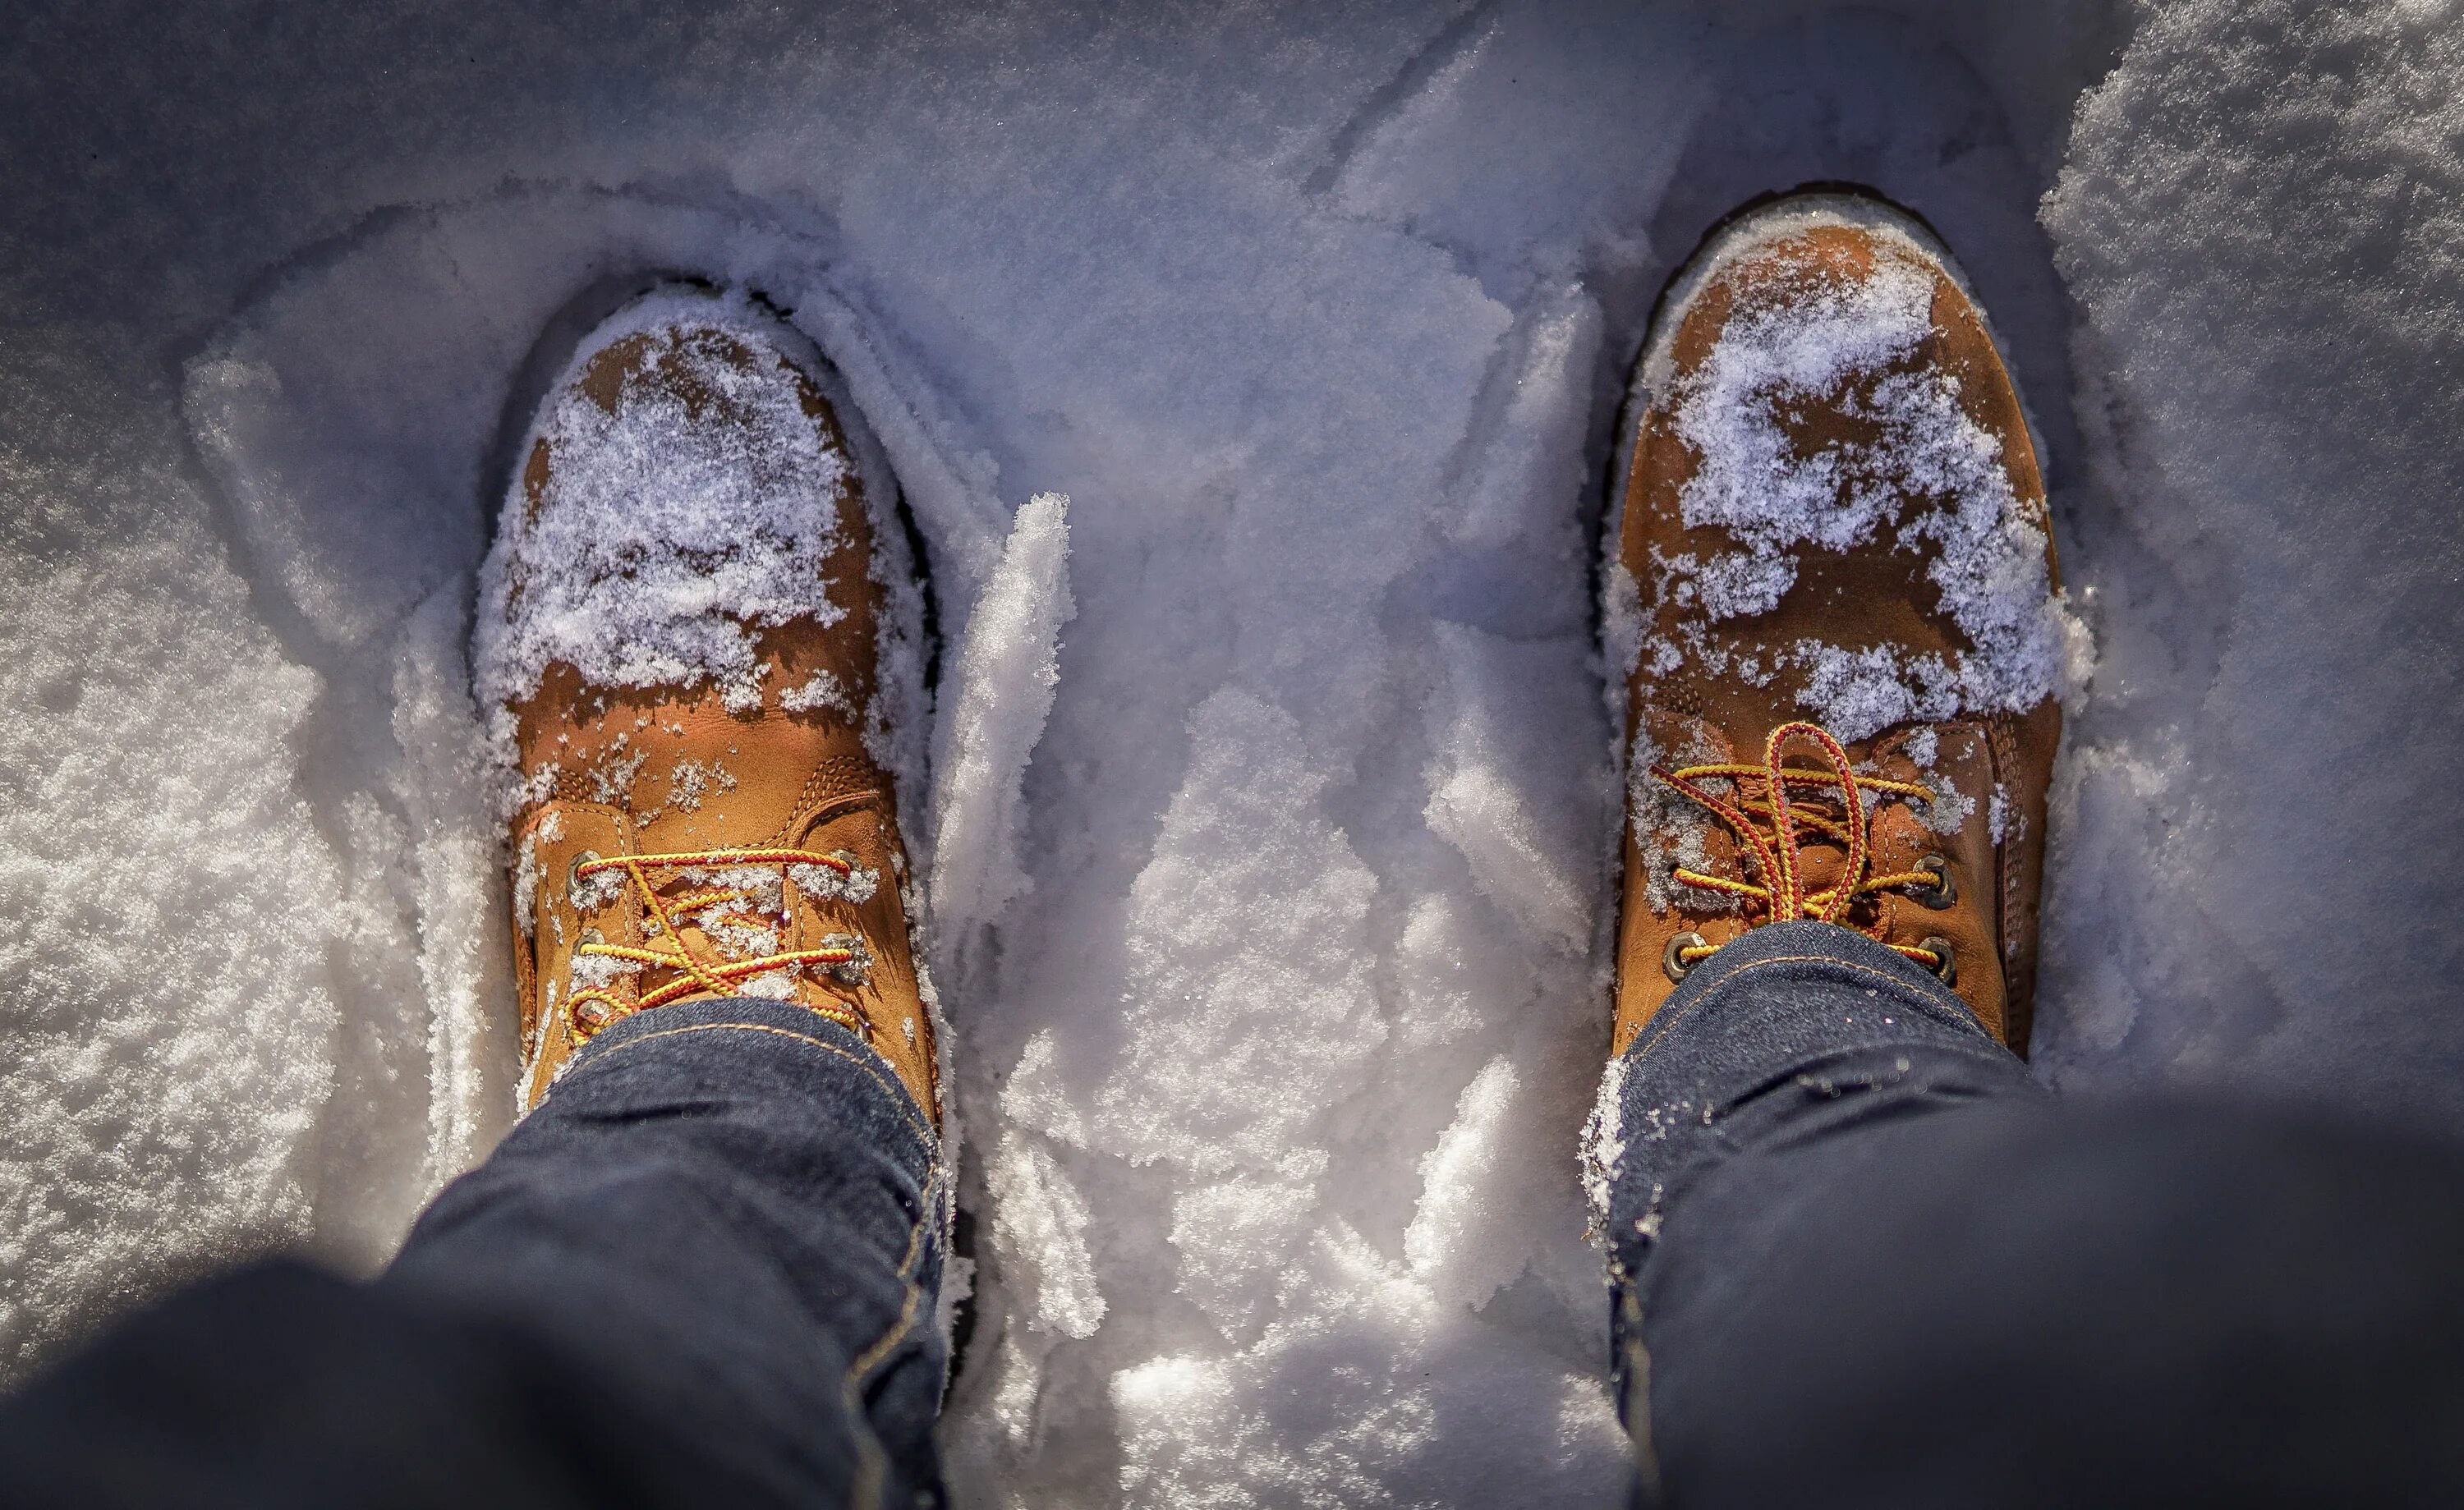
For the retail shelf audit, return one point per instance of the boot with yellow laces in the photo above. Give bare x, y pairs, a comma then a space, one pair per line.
1835, 581
682, 644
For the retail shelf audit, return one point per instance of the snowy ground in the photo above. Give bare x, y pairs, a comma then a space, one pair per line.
1278, 985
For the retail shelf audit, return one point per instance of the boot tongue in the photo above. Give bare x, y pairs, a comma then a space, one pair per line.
1821, 865
1821, 860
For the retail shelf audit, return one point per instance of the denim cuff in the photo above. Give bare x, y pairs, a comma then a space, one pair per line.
1783, 990
1773, 1034
755, 1040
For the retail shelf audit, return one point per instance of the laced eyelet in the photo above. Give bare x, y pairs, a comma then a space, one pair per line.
1945, 892
591, 936
849, 973
1945, 964
1672, 962
573, 877
592, 1015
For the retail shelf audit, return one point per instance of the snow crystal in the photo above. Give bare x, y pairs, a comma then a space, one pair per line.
1858, 693
1488, 794
1604, 1145
760, 881
1945, 809
530, 791
1238, 1238
738, 937
2260, 215
598, 889
1773, 358
1622, 623
599, 971
828, 883
692, 780
1737, 584
1454, 1242
1042, 1220
1236, 983
821, 691
1671, 830
612, 774
1037, 1097
1444, 977
526, 880
774, 985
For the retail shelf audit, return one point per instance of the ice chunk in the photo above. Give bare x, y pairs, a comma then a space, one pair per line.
1460, 1241
1041, 1227
1501, 791
999, 697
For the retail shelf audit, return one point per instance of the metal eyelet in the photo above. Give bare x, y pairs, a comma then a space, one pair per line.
1945, 892
852, 972
593, 1014
1946, 963
573, 877
1672, 964
591, 936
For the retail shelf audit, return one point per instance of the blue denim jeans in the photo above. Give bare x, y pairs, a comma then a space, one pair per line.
1860, 1258
704, 1272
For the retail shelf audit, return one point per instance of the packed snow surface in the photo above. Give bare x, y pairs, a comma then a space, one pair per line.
1277, 961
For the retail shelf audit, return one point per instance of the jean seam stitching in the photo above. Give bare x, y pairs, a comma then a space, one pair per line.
850, 1383
1900, 987
872, 1472
907, 1115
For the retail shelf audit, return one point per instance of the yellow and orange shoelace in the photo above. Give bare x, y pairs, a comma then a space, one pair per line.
842, 957
1781, 893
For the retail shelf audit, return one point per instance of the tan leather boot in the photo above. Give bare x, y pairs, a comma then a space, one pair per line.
680, 640
1836, 582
